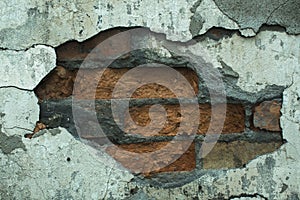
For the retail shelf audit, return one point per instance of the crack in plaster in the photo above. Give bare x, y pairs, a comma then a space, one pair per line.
255, 195
107, 182
273, 11
30, 47
227, 14
15, 87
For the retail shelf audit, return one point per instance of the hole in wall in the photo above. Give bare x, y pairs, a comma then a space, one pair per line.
239, 143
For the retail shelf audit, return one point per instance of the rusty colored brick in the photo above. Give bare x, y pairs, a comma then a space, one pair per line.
164, 161
234, 120
57, 84
236, 154
100, 84
169, 124
267, 115
108, 79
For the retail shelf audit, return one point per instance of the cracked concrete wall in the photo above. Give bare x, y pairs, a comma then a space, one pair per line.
57, 166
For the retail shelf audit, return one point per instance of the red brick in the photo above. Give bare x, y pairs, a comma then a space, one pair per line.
59, 84
267, 115
234, 119
110, 77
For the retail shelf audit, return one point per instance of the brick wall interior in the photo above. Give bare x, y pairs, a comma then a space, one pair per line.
250, 129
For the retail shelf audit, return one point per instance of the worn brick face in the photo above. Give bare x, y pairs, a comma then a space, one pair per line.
56, 85
234, 119
107, 83
267, 115
236, 154
59, 84
185, 162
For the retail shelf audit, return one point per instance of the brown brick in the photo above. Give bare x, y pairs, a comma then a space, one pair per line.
57, 84
164, 161
267, 115
234, 120
106, 84
76, 51
163, 126
236, 154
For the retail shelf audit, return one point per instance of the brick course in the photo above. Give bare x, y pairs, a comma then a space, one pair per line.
59, 84
234, 119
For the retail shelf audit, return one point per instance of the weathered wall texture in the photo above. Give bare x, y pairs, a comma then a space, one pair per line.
55, 165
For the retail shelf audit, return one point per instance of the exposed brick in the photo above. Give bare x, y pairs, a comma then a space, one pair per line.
162, 125
110, 77
267, 115
234, 119
236, 154
186, 159
77, 51
59, 84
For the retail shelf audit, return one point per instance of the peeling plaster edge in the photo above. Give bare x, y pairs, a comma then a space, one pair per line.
243, 32
266, 23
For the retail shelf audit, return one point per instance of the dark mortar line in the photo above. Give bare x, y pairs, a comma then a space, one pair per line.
248, 115
251, 137
162, 180
138, 102
199, 164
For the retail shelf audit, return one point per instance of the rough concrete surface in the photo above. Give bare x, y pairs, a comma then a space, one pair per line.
252, 14
19, 111
60, 167
25, 69
57, 166
40, 22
